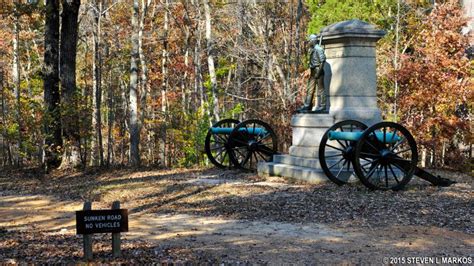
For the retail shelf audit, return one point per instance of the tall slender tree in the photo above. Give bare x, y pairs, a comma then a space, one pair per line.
68, 47
134, 123
17, 80
52, 126
6, 153
97, 151
144, 88
210, 59
165, 82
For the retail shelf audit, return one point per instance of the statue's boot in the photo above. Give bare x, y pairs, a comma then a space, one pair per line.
321, 106
304, 109
320, 110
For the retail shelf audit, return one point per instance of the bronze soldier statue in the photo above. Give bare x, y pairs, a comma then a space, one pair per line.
317, 58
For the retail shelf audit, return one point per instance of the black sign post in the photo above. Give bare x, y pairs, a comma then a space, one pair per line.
116, 236
87, 243
90, 222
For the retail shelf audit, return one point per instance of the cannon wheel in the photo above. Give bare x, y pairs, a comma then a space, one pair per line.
337, 155
216, 144
247, 149
387, 161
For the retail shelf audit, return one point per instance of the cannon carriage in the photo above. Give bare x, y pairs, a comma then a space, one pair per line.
383, 156
230, 143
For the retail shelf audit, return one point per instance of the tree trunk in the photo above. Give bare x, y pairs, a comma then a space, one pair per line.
210, 61
5, 143
52, 127
111, 117
97, 155
123, 121
134, 123
184, 80
395, 61
198, 88
17, 84
27, 70
85, 95
299, 11
69, 29
144, 69
239, 47
164, 86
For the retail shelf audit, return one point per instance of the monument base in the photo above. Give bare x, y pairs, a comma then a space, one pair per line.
302, 162
298, 168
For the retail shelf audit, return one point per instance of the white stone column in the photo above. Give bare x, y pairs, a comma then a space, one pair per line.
351, 70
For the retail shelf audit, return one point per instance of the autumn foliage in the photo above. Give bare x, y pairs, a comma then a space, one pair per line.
258, 49
435, 81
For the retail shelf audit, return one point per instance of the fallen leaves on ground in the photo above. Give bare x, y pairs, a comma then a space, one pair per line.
229, 194
49, 248
246, 196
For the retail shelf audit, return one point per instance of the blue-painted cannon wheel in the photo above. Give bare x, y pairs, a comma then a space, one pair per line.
336, 156
216, 145
251, 142
385, 156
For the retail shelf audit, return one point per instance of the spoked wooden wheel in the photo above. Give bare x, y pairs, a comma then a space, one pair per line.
386, 156
217, 141
336, 156
250, 142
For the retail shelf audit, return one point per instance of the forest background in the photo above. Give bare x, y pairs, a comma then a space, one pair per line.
107, 83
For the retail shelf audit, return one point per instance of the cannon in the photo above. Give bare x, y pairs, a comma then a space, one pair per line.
231, 143
383, 156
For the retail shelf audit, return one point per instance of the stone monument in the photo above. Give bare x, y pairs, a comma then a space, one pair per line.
350, 75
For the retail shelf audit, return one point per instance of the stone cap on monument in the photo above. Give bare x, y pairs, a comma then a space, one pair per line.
350, 30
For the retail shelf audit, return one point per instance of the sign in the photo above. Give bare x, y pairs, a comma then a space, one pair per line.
101, 221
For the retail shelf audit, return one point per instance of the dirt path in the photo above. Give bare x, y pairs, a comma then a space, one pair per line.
238, 240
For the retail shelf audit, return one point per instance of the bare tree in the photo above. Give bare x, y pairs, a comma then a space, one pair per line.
299, 13
97, 151
134, 123
144, 69
396, 59
16, 81
210, 60
198, 87
164, 83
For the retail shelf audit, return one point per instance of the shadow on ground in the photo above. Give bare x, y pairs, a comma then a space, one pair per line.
225, 216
